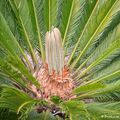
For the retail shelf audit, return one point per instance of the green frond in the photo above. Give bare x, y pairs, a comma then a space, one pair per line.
9, 16
114, 86
66, 17
6, 36
111, 52
81, 14
76, 110
9, 71
114, 24
89, 87
14, 66
35, 23
13, 98
108, 97
4, 79
88, 82
103, 111
42, 116
112, 36
101, 90
102, 21
22, 20
110, 68
6, 114
8, 42
50, 13
21, 11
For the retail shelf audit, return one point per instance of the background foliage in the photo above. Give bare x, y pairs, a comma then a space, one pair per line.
90, 32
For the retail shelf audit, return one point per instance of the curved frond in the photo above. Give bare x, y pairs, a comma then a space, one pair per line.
91, 32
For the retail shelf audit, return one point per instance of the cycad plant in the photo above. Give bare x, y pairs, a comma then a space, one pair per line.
59, 59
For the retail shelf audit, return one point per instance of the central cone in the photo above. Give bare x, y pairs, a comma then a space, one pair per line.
54, 51
54, 77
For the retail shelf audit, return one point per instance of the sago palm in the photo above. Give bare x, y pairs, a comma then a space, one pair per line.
59, 59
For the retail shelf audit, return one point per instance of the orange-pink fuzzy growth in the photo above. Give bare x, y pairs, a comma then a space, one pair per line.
55, 84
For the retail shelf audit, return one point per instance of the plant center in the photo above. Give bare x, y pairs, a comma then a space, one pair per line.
54, 77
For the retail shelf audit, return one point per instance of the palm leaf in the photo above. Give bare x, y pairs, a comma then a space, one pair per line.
87, 86
79, 110
15, 101
35, 23
50, 13
6, 114
82, 9
111, 10
19, 13
113, 49
66, 17
103, 110
11, 46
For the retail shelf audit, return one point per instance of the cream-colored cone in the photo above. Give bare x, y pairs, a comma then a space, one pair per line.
54, 51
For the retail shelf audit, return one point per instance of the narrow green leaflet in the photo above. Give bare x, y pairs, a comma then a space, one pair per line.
76, 110
90, 87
